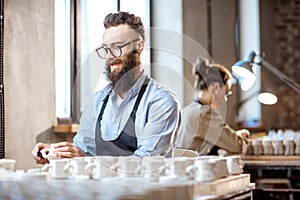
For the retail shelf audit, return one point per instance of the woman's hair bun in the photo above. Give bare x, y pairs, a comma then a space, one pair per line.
201, 67
207, 73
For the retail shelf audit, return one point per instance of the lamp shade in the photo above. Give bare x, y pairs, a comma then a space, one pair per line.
245, 77
267, 98
243, 71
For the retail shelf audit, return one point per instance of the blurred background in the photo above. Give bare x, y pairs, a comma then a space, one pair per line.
49, 67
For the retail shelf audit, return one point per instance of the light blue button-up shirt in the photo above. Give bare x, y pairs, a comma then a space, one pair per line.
156, 124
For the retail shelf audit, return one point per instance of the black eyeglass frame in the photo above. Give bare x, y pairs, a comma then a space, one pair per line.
109, 49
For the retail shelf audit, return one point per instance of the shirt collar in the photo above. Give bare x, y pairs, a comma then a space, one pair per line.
133, 91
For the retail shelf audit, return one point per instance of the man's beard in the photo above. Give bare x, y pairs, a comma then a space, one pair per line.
123, 80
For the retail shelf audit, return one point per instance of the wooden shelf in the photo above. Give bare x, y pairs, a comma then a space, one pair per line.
271, 158
66, 128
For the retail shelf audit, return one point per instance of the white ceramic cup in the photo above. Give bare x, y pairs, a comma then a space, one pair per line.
289, 147
153, 167
234, 165
76, 167
257, 147
49, 153
103, 167
202, 170
221, 169
268, 147
8, 164
89, 160
176, 167
129, 166
297, 146
278, 147
56, 168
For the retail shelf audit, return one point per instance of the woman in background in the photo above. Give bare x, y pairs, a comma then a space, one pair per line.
203, 129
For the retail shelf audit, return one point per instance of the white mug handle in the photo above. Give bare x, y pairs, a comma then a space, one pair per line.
68, 169
90, 166
45, 152
114, 167
191, 171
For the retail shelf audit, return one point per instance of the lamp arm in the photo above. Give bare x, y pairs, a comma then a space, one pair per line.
241, 103
281, 76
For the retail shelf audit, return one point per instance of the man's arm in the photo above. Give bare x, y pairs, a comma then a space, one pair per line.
85, 137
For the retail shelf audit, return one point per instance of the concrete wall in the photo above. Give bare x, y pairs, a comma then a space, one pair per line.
29, 76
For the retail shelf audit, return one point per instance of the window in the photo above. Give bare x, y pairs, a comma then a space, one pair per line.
62, 58
79, 29
92, 14
250, 112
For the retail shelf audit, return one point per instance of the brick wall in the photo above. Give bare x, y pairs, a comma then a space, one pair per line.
287, 36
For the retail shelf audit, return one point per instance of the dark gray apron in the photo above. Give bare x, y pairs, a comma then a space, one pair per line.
126, 143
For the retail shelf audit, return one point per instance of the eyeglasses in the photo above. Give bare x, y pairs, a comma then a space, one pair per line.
115, 50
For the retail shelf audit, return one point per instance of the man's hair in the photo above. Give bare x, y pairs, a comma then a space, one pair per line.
134, 22
207, 73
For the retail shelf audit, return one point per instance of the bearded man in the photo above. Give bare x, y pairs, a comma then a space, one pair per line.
133, 114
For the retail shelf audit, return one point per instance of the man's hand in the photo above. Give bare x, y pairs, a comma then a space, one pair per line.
61, 150
36, 152
66, 150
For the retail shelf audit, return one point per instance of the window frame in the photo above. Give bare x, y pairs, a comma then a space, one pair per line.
75, 60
